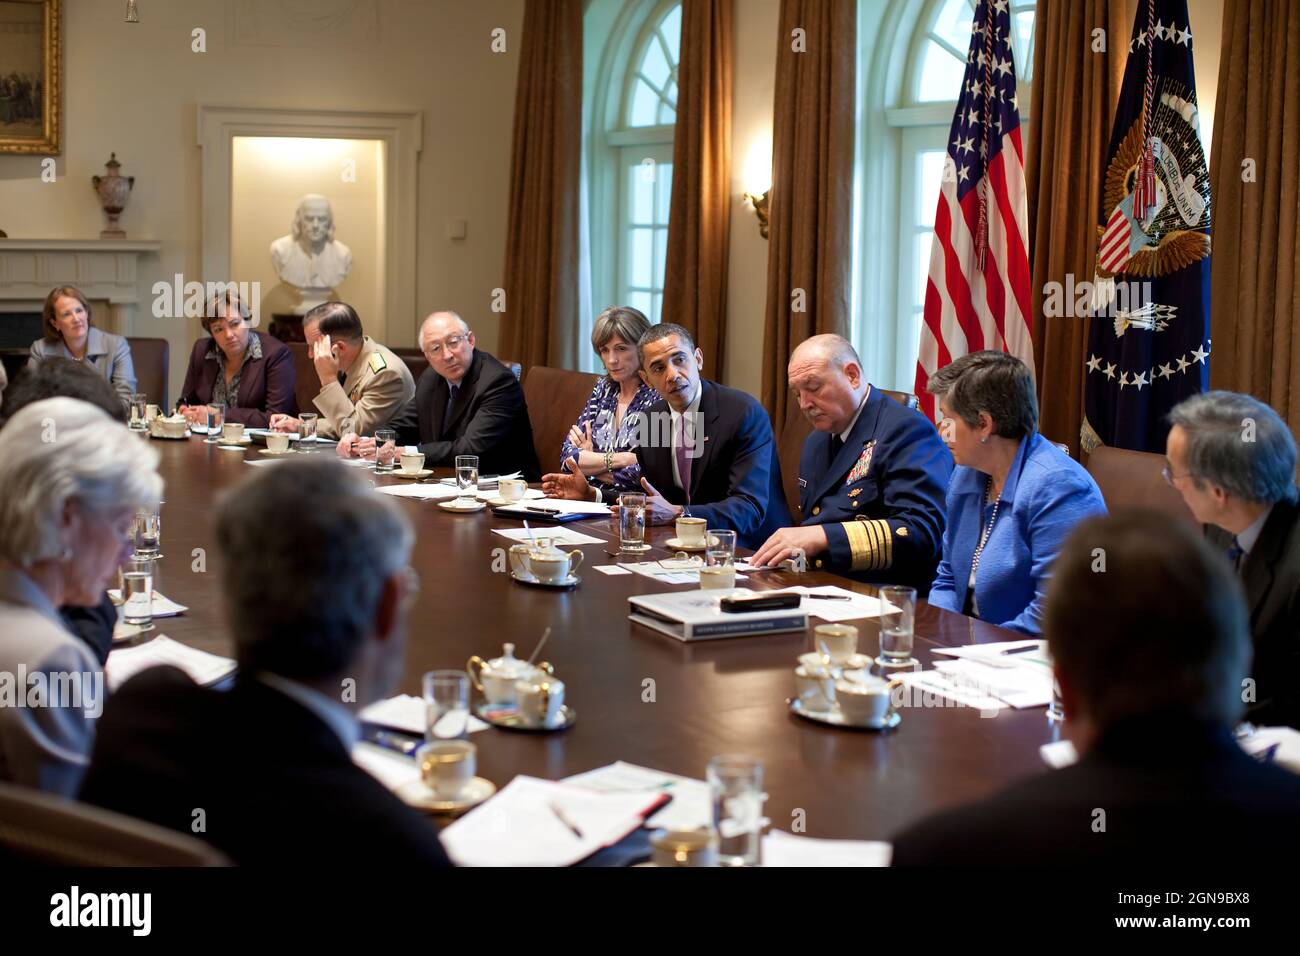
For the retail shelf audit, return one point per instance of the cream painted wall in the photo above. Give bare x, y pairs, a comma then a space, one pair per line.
135, 89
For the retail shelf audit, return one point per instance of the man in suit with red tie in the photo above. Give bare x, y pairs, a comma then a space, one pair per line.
1233, 460
872, 475
706, 450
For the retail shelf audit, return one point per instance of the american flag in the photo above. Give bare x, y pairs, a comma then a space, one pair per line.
977, 295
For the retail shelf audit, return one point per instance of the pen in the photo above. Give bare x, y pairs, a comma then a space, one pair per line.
829, 597
559, 815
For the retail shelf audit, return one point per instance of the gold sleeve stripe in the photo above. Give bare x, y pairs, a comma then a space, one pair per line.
871, 544
877, 546
860, 548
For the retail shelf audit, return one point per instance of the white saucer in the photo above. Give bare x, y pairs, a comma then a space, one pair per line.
422, 473
690, 564
857, 662
677, 544
835, 718
565, 582
464, 507
246, 440
267, 451
415, 793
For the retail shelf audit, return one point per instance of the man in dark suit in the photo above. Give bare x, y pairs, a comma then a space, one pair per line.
466, 403
707, 450
1148, 632
872, 475
1233, 460
263, 771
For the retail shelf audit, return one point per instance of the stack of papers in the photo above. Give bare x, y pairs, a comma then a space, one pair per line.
407, 713
432, 491
558, 536
162, 607
691, 806
786, 849
533, 822
559, 505
948, 687
203, 668
856, 607
656, 571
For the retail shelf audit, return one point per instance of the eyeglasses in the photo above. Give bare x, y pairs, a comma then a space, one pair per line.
1170, 477
451, 344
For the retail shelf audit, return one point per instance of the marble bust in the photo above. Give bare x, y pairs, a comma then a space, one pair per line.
310, 258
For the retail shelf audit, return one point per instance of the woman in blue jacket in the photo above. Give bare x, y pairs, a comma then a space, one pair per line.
1014, 496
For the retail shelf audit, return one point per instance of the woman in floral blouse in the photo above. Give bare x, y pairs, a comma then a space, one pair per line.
602, 442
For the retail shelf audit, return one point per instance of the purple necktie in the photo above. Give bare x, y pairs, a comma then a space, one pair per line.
682, 447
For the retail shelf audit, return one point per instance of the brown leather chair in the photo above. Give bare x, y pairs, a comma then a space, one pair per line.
903, 398
306, 382
1132, 479
417, 363
149, 357
555, 398
42, 829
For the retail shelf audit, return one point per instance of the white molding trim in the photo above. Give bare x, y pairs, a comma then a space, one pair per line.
403, 138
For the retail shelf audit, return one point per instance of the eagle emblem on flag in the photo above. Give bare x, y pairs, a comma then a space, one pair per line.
863, 465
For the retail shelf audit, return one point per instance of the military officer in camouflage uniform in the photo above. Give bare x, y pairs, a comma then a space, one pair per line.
363, 384
872, 476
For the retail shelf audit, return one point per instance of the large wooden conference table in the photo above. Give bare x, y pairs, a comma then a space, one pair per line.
711, 697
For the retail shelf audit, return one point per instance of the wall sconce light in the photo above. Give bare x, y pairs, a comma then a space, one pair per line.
132, 14
761, 205
757, 178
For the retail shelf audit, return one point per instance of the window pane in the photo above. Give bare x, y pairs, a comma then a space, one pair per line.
656, 308
645, 102
665, 193
941, 75
654, 66
954, 23
642, 302
671, 29
931, 173
667, 115
640, 266
1023, 43
922, 244
640, 191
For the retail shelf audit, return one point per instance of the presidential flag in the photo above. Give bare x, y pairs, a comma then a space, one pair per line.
1149, 316
977, 294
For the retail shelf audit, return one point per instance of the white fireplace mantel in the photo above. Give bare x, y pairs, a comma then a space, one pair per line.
103, 269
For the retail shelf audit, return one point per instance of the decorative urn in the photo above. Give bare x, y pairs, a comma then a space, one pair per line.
113, 190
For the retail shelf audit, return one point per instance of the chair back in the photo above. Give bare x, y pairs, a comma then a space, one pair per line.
42, 829
1132, 479
150, 357
306, 383
555, 398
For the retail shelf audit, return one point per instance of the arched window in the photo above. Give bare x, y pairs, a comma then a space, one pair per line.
632, 116
912, 76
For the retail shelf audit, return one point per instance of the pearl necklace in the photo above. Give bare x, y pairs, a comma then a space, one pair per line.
984, 538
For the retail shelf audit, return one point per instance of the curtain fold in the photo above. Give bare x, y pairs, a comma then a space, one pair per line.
1255, 182
809, 266
699, 222
540, 319
1074, 96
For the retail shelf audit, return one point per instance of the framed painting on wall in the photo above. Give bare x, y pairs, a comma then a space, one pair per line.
31, 113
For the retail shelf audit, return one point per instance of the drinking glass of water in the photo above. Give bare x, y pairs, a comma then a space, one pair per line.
631, 522
139, 405
467, 475
719, 569
446, 705
385, 461
306, 428
216, 419
146, 535
897, 619
736, 787
137, 592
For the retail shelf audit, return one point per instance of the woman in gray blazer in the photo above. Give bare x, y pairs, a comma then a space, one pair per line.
68, 332
66, 514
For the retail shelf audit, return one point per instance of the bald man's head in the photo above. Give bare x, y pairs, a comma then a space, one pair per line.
826, 376
448, 344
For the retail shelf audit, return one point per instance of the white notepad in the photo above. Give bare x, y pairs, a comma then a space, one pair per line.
126, 662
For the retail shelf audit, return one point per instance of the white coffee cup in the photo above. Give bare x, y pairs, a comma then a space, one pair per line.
540, 699
552, 566
232, 431
691, 530
277, 441
447, 766
815, 687
840, 641
151, 412
412, 462
864, 701
512, 489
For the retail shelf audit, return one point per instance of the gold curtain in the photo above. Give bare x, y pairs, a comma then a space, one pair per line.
1255, 182
541, 278
1074, 96
695, 273
809, 265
